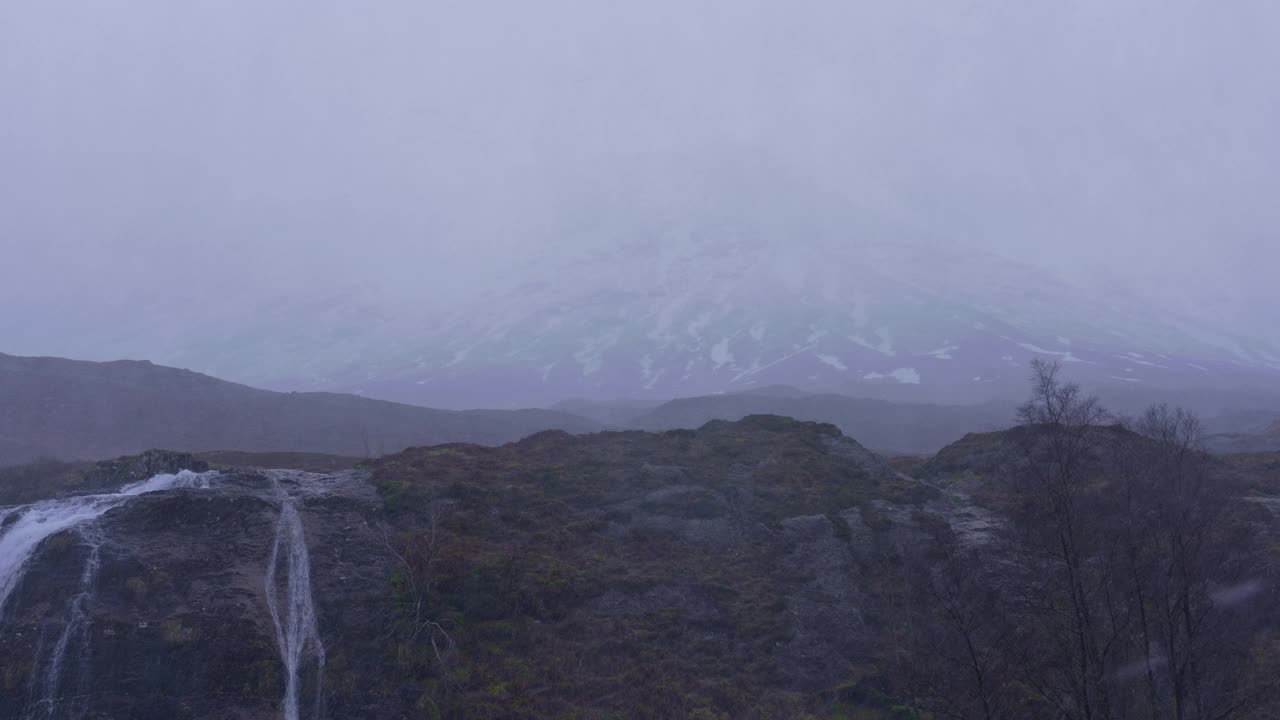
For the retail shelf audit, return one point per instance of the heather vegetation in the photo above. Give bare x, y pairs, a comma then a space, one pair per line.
1074, 566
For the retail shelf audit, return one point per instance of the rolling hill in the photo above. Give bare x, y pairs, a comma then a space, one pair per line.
69, 409
896, 428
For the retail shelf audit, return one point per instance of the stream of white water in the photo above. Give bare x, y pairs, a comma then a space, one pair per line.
297, 634
77, 621
20, 537
288, 578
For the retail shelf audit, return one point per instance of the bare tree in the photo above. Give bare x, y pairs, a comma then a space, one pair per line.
1066, 572
1181, 548
416, 554
958, 643
1125, 584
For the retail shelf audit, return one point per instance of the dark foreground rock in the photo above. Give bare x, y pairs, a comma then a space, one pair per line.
176, 623
753, 569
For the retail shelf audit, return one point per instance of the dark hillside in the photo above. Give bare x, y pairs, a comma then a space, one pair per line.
889, 427
73, 410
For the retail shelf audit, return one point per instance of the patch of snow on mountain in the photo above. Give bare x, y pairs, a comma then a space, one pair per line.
833, 361
666, 317
460, 355
1064, 356
695, 328
720, 354
654, 380
591, 354
756, 367
906, 376
884, 347
1212, 339
944, 352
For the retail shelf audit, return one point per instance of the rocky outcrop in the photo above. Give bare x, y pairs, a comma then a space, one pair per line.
114, 473
171, 593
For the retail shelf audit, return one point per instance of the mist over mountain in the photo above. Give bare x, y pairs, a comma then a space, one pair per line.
668, 285
714, 298
436, 205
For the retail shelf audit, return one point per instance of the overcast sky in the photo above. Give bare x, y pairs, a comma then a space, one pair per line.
263, 145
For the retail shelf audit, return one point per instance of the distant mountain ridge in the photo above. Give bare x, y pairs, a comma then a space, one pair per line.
883, 426
1266, 439
70, 409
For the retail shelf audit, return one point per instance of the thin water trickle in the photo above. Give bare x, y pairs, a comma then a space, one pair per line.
297, 634
77, 626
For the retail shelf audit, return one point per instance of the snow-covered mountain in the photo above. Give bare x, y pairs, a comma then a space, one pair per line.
687, 309
679, 284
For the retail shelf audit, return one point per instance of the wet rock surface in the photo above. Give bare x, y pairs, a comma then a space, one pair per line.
177, 623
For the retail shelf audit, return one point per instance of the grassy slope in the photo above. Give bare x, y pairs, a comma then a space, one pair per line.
72, 410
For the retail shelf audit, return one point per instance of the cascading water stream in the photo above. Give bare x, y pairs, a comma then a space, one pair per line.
297, 634
24, 527
288, 582
77, 621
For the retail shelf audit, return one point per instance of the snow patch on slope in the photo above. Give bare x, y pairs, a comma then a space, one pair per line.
884, 347
944, 352
591, 355
905, 376
833, 361
1064, 356
720, 354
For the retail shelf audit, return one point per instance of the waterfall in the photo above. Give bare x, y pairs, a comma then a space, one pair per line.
77, 621
297, 634
288, 582
24, 527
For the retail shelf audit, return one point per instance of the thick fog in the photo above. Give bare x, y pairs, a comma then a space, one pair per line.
191, 154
